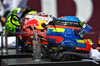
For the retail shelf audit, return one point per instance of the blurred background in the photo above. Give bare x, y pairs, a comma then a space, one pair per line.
86, 10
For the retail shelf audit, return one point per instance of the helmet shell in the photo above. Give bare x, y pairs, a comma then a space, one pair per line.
10, 28
32, 22
62, 33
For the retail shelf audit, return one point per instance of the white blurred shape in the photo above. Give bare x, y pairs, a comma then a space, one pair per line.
49, 7
84, 9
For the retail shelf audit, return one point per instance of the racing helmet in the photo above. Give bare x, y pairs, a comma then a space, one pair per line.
61, 32
35, 20
10, 27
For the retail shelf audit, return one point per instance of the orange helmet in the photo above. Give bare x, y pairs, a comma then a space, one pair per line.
35, 20
32, 21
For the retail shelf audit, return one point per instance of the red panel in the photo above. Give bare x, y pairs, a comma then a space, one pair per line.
66, 8
58, 38
94, 22
35, 4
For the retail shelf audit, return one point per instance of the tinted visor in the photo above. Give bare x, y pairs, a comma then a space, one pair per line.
68, 23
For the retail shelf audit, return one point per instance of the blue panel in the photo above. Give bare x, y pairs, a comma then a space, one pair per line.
70, 18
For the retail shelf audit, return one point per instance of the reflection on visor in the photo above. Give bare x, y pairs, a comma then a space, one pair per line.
86, 29
68, 23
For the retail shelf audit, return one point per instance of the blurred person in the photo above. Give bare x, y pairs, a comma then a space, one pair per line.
6, 7
98, 45
9, 5
1, 14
